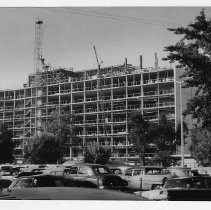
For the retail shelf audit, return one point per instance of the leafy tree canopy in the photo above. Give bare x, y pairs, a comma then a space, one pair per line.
161, 136
139, 134
62, 126
97, 154
43, 149
164, 137
6, 144
201, 146
193, 52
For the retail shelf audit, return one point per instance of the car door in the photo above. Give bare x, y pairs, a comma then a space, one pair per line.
128, 176
136, 179
72, 174
81, 176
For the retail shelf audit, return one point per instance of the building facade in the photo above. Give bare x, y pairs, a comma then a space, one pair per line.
101, 101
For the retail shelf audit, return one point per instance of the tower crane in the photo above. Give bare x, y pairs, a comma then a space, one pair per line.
99, 87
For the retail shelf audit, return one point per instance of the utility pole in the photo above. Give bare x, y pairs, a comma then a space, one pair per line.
181, 124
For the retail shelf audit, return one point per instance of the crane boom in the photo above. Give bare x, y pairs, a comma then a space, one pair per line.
98, 64
100, 92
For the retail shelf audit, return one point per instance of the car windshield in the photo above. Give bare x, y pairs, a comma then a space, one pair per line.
179, 183
101, 170
45, 181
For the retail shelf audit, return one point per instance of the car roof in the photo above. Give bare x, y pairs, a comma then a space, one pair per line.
89, 165
48, 170
71, 193
142, 167
190, 177
37, 176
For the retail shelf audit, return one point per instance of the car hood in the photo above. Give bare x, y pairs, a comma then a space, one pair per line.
69, 193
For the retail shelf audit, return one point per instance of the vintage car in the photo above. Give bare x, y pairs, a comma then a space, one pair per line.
34, 169
198, 172
95, 176
182, 189
41, 180
67, 193
56, 171
146, 177
7, 174
119, 170
26, 174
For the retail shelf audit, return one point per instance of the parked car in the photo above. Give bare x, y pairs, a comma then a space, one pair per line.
54, 171
26, 173
180, 171
145, 177
116, 170
120, 169
41, 180
5, 167
95, 176
67, 193
7, 174
183, 188
198, 172
34, 169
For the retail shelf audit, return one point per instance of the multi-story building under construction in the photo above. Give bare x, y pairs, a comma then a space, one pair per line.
101, 101
95, 102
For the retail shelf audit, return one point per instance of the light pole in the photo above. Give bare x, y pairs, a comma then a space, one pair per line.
181, 124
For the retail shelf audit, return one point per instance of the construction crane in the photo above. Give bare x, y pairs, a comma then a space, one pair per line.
38, 69
38, 59
101, 103
98, 63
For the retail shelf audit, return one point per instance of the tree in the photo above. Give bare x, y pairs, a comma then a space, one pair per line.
193, 52
97, 154
163, 135
139, 134
201, 146
6, 144
62, 126
43, 149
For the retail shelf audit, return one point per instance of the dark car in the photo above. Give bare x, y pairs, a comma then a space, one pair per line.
183, 189
42, 180
3, 168
198, 172
95, 176
116, 170
66, 193
27, 174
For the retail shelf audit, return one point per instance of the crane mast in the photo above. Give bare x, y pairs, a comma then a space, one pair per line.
38, 69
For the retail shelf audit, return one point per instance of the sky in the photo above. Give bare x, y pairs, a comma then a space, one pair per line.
71, 32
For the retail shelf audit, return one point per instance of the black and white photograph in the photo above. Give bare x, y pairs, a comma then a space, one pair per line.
105, 103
